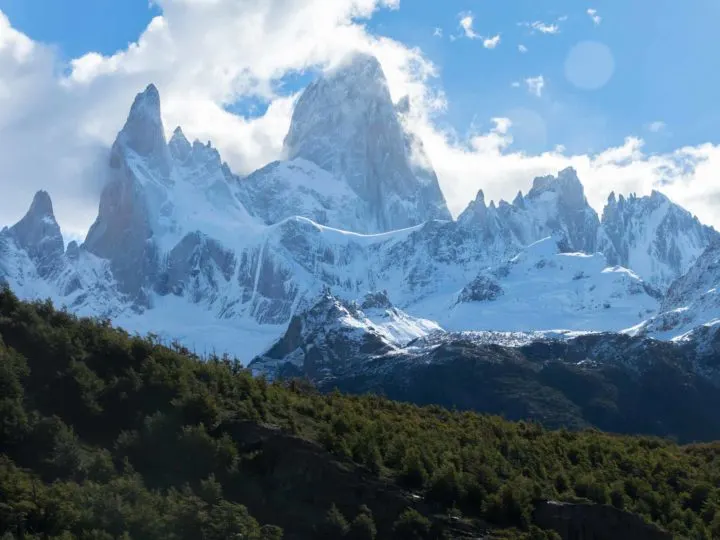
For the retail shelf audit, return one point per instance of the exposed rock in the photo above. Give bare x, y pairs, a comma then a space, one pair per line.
586, 521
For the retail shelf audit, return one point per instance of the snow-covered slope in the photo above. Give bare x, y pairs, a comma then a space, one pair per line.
298, 187
658, 239
692, 301
543, 288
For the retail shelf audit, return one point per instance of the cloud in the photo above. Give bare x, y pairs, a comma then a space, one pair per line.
522, 48
543, 28
491, 42
657, 126
535, 85
596, 19
56, 123
438, 32
515, 84
466, 24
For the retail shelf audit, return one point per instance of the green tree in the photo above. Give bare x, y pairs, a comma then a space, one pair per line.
334, 526
411, 525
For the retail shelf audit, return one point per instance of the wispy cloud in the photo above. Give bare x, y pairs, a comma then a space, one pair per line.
515, 84
522, 48
466, 23
657, 126
597, 19
438, 32
542, 27
535, 85
491, 42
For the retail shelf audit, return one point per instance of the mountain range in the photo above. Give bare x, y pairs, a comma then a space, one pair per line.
344, 255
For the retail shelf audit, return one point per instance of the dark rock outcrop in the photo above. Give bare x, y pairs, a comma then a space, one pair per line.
587, 521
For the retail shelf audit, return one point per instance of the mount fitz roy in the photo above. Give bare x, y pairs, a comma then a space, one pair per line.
291, 265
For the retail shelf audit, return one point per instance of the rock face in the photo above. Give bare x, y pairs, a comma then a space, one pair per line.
347, 124
585, 521
38, 234
123, 230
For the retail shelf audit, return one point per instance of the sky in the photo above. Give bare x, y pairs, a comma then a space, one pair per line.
501, 92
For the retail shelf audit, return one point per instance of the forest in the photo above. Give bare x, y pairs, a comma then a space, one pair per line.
107, 435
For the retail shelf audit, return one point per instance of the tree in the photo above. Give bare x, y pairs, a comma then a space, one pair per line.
363, 526
411, 525
334, 526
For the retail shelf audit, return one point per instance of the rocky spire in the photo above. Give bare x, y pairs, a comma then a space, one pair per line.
131, 199
180, 147
39, 234
143, 133
347, 124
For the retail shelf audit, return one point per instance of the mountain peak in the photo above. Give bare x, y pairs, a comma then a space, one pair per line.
39, 234
347, 124
519, 200
566, 184
180, 148
356, 66
656, 195
41, 205
143, 130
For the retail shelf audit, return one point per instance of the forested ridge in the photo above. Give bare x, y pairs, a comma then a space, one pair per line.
105, 435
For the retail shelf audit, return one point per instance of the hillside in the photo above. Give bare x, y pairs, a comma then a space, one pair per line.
105, 435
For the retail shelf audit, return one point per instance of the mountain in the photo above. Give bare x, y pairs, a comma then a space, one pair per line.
347, 124
554, 206
334, 332
658, 239
692, 302
38, 235
612, 381
184, 248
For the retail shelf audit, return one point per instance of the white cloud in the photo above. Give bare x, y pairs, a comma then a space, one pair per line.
204, 55
657, 126
596, 19
491, 42
466, 24
515, 84
522, 48
535, 85
438, 32
543, 28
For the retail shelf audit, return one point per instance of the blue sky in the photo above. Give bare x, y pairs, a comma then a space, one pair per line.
664, 53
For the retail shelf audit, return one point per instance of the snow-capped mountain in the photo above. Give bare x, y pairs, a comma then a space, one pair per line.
692, 301
347, 124
658, 239
185, 249
333, 334
554, 205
